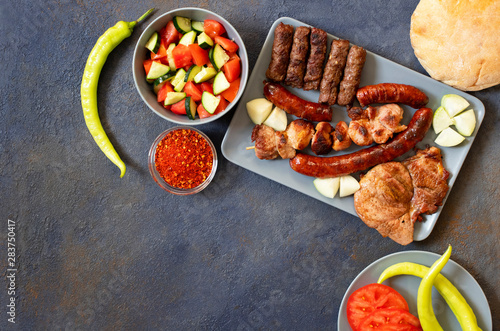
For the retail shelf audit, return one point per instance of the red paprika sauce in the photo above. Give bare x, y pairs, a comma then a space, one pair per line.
184, 159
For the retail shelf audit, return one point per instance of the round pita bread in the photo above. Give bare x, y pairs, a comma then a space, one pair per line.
458, 42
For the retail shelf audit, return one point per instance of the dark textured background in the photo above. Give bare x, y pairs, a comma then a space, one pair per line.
99, 252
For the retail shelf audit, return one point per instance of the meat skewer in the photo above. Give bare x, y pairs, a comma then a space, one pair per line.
334, 69
316, 59
352, 75
280, 56
298, 57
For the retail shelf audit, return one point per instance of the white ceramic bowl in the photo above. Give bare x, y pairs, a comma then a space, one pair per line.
141, 54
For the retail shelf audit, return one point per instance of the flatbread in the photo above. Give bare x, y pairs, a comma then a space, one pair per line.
458, 42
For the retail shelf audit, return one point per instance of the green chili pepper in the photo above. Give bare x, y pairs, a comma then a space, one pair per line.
453, 297
104, 45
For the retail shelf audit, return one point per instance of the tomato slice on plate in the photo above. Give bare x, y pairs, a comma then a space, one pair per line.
368, 298
390, 319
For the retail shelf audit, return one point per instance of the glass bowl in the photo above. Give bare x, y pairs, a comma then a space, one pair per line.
161, 181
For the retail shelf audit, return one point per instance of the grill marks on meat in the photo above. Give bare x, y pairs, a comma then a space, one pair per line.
280, 56
341, 138
334, 69
429, 181
298, 57
393, 195
352, 75
317, 55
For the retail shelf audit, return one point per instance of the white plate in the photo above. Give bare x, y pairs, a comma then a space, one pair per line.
407, 286
376, 70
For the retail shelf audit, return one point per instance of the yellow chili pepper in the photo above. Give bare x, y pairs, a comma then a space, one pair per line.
452, 296
104, 45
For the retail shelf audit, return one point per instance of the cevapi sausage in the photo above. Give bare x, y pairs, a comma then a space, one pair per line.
392, 93
316, 59
334, 70
294, 105
280, 56
298, 57
335, 166
352, 75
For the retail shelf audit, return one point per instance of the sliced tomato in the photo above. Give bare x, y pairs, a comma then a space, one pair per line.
227, 44
169, 34
147, 65
232, 91
192, 91
213, 28
232, 70
222, 105
200, 55
206, 86
161, 53
202, 113
162, 93
179, 108
368, 298
182, 56
390, 319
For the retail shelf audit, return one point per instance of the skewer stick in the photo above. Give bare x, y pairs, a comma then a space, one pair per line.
250, 147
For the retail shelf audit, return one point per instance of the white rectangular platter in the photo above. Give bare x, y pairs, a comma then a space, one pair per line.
376, 70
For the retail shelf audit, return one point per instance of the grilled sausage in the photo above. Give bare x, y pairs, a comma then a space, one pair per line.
334, 69
316, 59
294, 105
280, 56
335, 166
392, 93
352, 75
298, 57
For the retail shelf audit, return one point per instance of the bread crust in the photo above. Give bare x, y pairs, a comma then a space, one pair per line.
457, 42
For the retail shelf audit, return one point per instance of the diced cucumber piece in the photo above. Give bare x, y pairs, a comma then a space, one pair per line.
179, 76
179, 86
170, 57
157, 70
218, 56
205, 74
220, 83
182, 24
188, 38
160, 80
204, 41
153, 43
174, 97
158, 87
197, 26
190, 106
209, 102
192, 72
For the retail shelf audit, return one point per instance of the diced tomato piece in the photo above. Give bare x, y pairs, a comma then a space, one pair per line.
179, 108
200, 55
213, 28
232, 70
147, 65
162, 93
370, 298
161, 53
232, 90
192, 91
222, 105
169, 34
202, 113
232, 56
227, 44
182, 56
206, 86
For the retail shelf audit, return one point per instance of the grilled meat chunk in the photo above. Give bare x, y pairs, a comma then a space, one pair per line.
322, 141
265, 142
341, 139
300, 133
285, 149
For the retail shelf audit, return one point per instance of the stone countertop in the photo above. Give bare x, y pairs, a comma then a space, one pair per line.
98, 252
